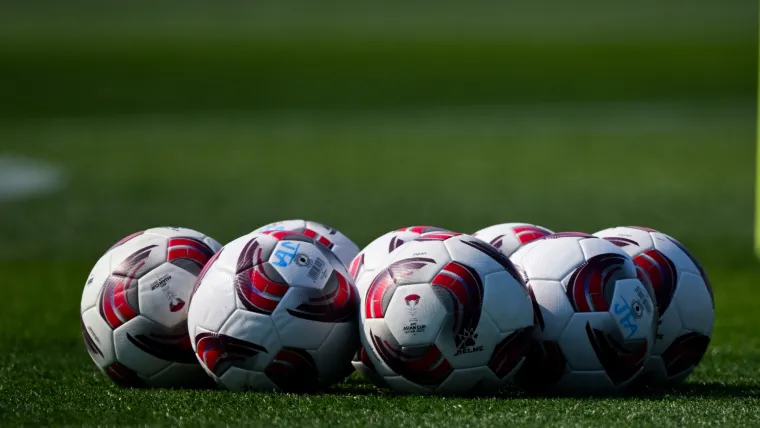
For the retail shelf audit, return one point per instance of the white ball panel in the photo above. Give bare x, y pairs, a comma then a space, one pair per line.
367, 326
476, 259
95, 281
333, 358
237, 379
130, 355
507, 302
433, 250
694, 303
301, 264
415, 315
298, 332
641, 237
574, 341
257, 329
214, 300
164, 293
594, 246
343, 247
552, 259
462, 380
282, 225
669, 328
156, 254
556, 310
681, 260
102, 352
633, 311
466, 355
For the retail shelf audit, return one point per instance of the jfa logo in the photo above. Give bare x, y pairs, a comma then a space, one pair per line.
630, 313
286, 254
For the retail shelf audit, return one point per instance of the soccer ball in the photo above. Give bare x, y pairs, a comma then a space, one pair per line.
331, 238
365, 263
508, 237
134, 307
274, 311
446, 314
684, 299
596, 320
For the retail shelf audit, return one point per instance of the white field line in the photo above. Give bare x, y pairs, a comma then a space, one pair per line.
21, 178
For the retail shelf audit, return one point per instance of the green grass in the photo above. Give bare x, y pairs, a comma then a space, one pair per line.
686, 170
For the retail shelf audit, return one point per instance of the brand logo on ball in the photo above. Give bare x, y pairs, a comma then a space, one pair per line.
630, 313
175, 303
412, 304
286, 254
412, 301
466, 342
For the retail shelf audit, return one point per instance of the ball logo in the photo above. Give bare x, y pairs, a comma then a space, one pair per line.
285, 254
412, 302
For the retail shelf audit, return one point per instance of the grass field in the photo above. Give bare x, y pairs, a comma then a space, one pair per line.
369, 119
569, 168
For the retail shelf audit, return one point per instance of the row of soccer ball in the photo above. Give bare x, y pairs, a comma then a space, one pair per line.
294, 304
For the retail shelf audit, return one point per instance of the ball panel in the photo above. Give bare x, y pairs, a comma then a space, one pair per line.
371, 328
340, 244
332, 358
301, 264
95, 281
510, 353
629, 239
98, 338
256, 329
555, 310
431, 255
469, 347
293, 318
293, 370
415, 315
214, 299
507, 302
462, 380
633, 311
238, 379
695, 304
140, 344
480, 256
575, 340
668, 328
552, 259
138, 256
683, 261
163, 293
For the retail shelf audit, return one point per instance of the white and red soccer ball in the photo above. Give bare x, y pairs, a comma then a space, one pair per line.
134, 307
509, 237
330, 237
447, 313
366, 263
275, 310
595, 319
684, 300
